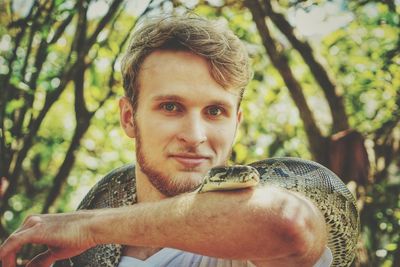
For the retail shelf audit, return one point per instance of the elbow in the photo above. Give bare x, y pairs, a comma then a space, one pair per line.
290, 228
307, 233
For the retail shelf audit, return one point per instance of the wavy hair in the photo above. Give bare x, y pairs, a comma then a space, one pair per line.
226, 54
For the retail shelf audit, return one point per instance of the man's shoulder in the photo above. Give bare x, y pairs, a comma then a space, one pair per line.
115, 189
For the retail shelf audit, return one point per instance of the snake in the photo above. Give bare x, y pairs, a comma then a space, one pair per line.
314, 181
223, 178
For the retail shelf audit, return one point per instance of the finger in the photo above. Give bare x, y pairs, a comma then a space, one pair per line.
5, 248
16, 240
44, 259
8, 250
8, 260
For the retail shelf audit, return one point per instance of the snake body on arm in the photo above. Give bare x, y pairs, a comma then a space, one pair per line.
327, 192
311, 179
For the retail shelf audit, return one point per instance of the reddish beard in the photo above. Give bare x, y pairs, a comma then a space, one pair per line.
166, 185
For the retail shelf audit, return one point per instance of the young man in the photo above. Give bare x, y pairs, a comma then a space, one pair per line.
184, 80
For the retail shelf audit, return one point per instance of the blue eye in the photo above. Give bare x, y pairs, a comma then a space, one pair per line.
214, 111
170, 107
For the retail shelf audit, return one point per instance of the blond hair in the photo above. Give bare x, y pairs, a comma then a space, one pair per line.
227, 56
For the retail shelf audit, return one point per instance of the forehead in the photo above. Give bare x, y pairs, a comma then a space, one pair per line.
163, 62
167, 72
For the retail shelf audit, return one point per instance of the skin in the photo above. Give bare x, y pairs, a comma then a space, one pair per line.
197, 132
269, 226
185, 130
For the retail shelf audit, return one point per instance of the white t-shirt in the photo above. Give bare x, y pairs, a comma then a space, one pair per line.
168, 257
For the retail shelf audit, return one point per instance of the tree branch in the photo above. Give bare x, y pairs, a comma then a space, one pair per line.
316, 141
66, 166
60, 30
16, 165
41, 55
103, 22
82, 115
83, 118
338, 113
7, 88
5, 152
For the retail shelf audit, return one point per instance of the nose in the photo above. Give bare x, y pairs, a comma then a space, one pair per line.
193, 130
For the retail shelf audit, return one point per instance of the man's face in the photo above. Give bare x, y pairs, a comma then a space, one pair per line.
185, 121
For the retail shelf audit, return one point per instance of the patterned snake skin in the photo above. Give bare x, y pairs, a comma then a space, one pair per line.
311, 179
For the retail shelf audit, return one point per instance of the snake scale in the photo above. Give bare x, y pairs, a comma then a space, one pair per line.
311, 179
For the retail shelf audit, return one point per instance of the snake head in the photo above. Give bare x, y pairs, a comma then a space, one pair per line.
230, 178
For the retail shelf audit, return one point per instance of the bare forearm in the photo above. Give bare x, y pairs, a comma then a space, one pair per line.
263, 224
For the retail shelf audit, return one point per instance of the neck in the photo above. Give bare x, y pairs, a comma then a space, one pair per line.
145, 191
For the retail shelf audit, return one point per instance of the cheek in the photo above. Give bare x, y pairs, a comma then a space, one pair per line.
158, 131
223, 136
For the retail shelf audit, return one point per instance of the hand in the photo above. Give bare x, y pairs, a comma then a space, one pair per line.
66, 235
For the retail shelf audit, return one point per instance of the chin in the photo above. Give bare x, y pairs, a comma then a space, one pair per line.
184, 184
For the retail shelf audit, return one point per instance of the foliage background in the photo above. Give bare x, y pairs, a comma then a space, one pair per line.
60, 83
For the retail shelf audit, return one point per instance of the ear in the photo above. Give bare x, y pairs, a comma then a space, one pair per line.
239, 117
126, 116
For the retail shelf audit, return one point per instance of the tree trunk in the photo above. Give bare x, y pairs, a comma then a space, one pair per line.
335, 102
317, 143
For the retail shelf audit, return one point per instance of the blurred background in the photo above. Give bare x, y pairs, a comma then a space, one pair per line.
326, 87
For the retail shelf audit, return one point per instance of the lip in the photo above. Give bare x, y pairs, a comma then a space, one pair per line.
190, 160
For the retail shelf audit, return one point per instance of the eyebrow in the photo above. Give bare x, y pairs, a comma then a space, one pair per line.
178, 98
168, 97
